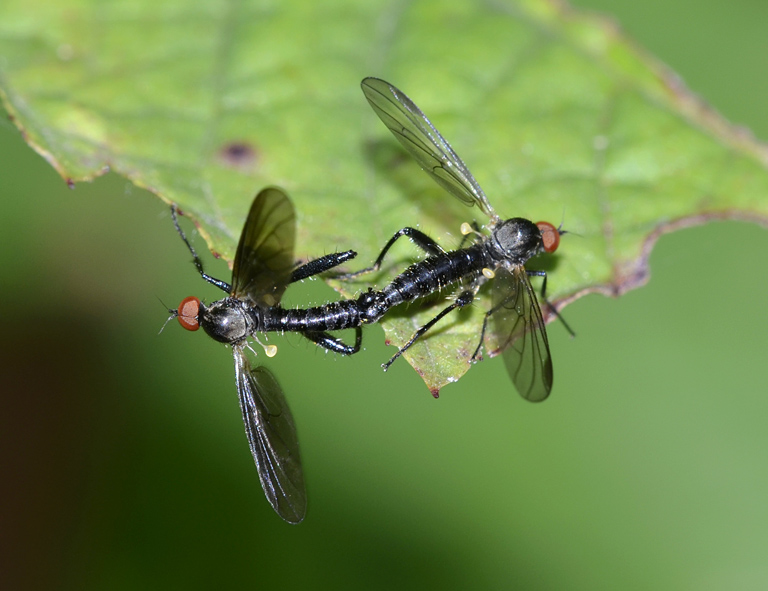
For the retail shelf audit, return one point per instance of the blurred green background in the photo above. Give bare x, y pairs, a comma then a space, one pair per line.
124, 459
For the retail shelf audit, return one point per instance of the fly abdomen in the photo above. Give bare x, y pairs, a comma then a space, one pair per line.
330, 317
435, 273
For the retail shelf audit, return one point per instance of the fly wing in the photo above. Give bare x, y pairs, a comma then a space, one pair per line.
264, 258
272, 438
430, 149
522, 336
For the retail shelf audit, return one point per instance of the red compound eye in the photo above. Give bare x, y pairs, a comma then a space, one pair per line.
187, 313
550, 236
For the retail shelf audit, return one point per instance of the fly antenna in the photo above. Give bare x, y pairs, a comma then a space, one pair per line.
560, 227
173, 314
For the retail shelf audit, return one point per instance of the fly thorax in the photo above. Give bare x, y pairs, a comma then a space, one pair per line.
227, 320
515, 241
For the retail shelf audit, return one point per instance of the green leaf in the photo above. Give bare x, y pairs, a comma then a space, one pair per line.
557, 116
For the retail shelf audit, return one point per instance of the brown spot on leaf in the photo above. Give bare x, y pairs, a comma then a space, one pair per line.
70, 183
239, 154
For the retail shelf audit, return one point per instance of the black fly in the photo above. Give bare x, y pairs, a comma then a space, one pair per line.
264, 266
517, 319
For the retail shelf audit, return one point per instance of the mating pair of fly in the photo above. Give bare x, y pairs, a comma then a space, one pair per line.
264, 266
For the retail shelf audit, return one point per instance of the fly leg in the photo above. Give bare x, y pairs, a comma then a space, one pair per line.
493, 310
223, 285
419, 238
331, 343
321, 265
462, 300
488, 314
547, 302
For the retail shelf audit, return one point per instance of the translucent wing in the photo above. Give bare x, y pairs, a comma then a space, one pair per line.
430, 149
522, 336
272, 438
264, 258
